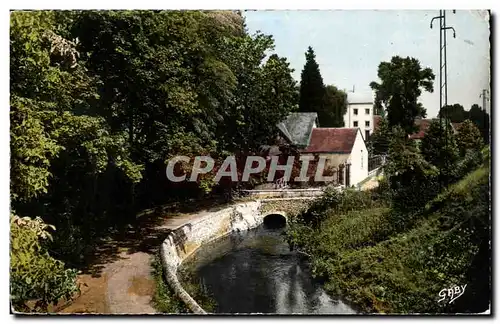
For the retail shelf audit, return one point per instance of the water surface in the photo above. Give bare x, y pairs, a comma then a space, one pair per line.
255, 272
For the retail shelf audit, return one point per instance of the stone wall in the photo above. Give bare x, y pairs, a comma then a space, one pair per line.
185, 240
284, 193
291, 207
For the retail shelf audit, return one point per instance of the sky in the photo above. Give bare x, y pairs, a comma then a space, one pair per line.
350, 44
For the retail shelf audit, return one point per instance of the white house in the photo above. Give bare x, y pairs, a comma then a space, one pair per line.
342, 146
360, 112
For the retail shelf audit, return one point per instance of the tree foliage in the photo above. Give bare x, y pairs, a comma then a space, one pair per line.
35, 275
481, 118
334, 107
439, 146
455, 113
329, 102
412, 178
312, 89
100, 100
469, 138
380, 139
402, 82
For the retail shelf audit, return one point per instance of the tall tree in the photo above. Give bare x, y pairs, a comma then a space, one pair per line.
402, 82
334, 107
312, 89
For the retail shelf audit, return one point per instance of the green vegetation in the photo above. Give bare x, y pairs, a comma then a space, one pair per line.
164, 299
35, 275
361, 256
329, 102
477, 115
402, 82
424, 229
100, 100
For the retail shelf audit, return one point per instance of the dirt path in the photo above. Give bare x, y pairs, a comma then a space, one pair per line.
119, 279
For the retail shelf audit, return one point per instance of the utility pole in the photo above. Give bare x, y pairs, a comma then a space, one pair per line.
485, 96
443, 71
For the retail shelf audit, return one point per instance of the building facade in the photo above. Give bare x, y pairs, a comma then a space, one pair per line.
360, 113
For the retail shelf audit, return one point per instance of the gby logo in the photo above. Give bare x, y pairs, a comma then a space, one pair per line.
451, 293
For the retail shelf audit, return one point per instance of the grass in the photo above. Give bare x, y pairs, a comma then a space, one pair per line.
164, 299
360, 256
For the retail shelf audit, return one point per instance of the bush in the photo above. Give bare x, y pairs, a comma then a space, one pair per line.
469, 138
34, 275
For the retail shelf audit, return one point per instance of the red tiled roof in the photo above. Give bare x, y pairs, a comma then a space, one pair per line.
423, 126
332, 140
376, 122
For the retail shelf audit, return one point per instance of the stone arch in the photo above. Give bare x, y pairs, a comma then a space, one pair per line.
274, 219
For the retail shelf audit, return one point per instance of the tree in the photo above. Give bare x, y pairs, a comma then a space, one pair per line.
334, 107
378, 109
469, 138
412, 178
482, 120
455, 113
312, 89
380, 139
61, 150
101, 99
402, 82
439, 148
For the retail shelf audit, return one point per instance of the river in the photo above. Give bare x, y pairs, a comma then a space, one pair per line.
255, 272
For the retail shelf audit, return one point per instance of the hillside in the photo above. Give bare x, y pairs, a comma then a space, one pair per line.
361, 258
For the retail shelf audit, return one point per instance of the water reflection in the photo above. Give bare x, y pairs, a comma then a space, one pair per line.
256, 272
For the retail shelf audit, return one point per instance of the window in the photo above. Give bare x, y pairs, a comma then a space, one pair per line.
367, 135
367, 123
355, 124
355, 111
361, 159
367, 111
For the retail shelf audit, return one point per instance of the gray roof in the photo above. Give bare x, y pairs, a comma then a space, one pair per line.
297, 127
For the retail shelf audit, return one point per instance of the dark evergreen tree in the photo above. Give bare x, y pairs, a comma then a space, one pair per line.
312, 89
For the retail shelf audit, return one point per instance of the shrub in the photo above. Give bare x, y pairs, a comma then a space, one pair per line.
469, 138
413, 180
34, 274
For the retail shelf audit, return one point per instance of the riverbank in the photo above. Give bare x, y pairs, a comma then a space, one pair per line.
360, 255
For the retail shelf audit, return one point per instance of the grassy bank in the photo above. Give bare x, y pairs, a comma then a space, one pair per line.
166, 301
359, 254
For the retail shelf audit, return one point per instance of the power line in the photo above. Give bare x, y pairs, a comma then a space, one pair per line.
443, 71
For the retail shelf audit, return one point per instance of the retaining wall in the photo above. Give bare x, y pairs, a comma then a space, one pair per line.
185, 240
